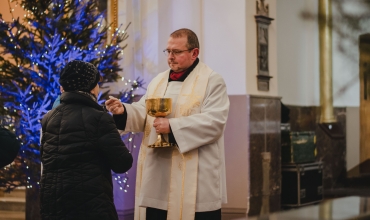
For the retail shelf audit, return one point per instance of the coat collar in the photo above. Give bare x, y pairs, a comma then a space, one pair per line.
187, 72
74, 97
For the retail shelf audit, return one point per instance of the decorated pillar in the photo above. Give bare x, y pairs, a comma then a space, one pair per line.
263, 21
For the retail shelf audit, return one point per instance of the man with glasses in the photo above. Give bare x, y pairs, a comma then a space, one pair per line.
186, 181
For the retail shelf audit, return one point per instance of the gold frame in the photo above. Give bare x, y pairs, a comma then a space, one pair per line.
113, 15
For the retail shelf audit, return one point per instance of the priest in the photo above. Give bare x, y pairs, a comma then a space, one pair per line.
187, 180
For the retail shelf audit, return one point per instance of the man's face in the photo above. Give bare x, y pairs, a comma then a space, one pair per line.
180, 61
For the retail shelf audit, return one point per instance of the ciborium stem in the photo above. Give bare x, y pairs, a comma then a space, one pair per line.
159, 107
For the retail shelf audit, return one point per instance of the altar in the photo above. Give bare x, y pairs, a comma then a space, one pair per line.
353, 207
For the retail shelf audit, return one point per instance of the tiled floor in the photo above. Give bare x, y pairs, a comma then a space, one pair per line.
12, 205
12, 215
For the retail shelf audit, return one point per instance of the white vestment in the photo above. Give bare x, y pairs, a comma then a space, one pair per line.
198, 127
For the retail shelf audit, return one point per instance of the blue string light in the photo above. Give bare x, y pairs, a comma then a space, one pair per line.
37, 49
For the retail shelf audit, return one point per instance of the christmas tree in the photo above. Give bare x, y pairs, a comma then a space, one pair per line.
33, 51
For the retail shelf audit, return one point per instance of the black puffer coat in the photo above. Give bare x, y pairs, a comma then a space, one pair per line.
9, 147
79, 148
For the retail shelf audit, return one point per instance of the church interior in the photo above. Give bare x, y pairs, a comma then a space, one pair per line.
296, 74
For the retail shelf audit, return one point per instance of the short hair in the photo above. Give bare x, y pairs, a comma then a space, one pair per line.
192, 37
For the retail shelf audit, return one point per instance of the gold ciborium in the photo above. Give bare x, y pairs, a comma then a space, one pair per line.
159, 107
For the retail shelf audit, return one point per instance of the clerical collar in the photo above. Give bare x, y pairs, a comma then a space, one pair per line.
182, 76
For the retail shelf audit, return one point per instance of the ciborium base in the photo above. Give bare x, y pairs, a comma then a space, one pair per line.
160, 142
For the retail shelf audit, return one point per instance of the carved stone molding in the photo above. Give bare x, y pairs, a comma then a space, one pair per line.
263, 82
262, 8
263, 22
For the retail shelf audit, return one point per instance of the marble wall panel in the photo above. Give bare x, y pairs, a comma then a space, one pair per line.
332, 151
306, 118
264, 128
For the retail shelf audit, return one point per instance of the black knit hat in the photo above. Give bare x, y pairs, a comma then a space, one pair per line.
9, 147
79, 76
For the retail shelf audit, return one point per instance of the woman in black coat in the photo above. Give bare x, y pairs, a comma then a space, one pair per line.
80, 146
9, 146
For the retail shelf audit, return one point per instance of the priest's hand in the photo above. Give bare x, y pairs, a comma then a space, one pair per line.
114, 105
162, 125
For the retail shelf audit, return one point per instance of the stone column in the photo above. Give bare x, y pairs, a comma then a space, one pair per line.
326, 84
330, 135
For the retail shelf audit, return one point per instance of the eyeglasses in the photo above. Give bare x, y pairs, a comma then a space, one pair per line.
174, 52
